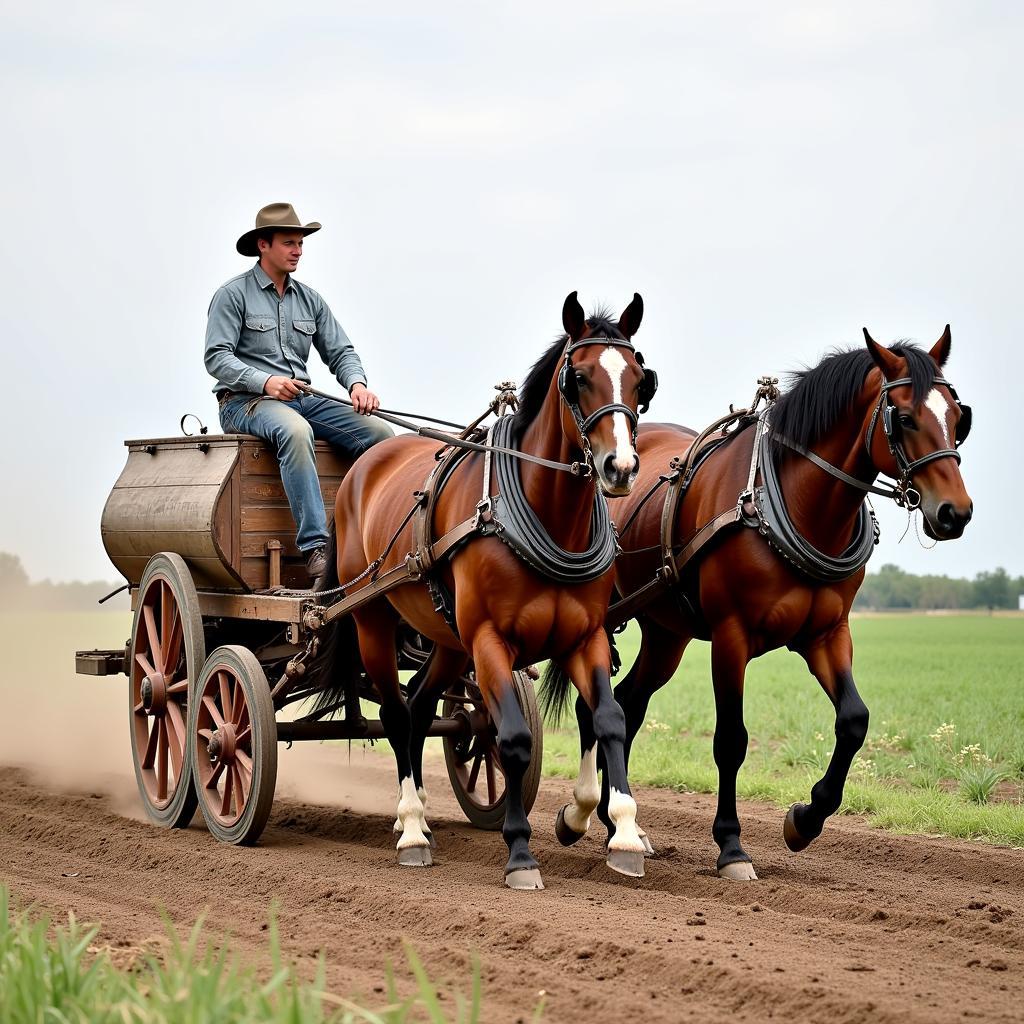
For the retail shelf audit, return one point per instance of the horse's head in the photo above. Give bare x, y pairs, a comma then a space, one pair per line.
915, 434
603, 385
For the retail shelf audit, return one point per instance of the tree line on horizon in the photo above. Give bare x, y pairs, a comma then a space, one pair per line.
18, 593
889, 588
894, 588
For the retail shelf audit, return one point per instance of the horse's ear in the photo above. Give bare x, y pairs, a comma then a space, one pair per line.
888, 362
940, 350
629, 319
573, 318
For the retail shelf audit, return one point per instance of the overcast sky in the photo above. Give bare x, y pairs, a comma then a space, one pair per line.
771, 178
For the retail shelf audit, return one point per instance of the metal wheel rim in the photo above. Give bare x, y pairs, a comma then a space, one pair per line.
224, 739
159, 693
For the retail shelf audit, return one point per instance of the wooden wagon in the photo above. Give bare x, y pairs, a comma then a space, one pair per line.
223, 640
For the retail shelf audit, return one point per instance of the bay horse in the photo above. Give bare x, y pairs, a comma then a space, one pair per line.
857, 414
577, 405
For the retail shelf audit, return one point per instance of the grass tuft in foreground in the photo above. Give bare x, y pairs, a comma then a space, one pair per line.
54, 974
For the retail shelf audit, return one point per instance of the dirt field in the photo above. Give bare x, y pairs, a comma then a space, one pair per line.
864, 926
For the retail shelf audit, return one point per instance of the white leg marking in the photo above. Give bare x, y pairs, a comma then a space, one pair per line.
585, 795
410, 812
422, 794
614, 365
622, 811
938, 405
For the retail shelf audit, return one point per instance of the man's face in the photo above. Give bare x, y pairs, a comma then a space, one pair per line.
281, 254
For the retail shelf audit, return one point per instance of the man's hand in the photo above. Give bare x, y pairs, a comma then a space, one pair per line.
284, 389
363, 400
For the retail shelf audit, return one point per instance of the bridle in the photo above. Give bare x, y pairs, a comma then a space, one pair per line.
904, 493
569, 389
901, 492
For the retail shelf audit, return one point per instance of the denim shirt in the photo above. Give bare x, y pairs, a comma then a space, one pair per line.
253, 335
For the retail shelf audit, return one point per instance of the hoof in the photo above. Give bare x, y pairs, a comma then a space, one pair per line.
738, 871
431, 841
566, 835
648, 848
626, 862
415, 857
791, 834
524, 878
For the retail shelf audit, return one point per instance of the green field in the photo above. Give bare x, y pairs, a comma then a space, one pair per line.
945, 748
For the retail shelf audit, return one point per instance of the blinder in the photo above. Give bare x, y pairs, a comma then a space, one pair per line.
963, 426
648, 386
568, 385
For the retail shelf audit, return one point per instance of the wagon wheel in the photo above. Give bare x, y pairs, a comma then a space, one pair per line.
167, 653
234, 745
474, 766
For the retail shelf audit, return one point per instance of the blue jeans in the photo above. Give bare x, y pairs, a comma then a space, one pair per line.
291, 428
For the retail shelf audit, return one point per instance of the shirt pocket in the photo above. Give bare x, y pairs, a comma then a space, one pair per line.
258, 337
304, 331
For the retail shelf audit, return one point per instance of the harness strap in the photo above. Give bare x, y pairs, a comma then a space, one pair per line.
408, 571
885, 492
668, 575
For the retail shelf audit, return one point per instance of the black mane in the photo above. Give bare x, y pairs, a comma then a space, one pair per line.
534, 389
818, 396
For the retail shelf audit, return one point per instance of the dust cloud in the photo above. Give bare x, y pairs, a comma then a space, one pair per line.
71, 732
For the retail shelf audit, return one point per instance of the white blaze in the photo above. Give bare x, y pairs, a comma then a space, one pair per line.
614, 365
938, 405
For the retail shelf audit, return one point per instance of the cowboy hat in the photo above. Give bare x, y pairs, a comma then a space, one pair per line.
275, 217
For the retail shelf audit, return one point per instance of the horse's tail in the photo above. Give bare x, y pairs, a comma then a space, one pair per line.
555, 688
337, 660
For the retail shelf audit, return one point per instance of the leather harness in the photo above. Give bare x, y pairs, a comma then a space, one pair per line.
762, 507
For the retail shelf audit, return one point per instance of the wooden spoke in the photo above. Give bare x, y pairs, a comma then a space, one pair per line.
139, 707
167, 606
161, 760
145, 664
172, 643
241, 709
226, 703
241, 790
474, 773
151, 634
207, 734
244, 760
211, 706
243, 735
149, 758
179, 687
225, 804
218, 770
177, 722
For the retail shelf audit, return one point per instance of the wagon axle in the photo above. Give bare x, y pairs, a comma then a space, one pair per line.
153, 692
222, 744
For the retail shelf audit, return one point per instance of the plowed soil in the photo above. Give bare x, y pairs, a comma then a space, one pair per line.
864, 926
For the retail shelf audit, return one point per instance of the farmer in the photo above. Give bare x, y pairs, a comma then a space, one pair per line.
261, 325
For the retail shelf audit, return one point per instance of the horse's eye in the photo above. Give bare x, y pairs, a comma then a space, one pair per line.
581, 380
907, 421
